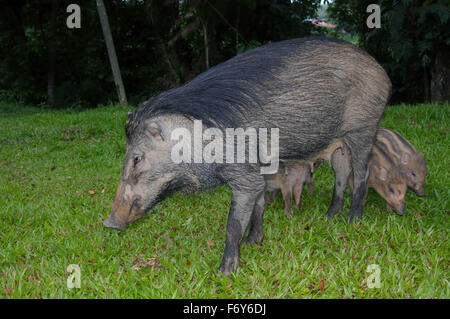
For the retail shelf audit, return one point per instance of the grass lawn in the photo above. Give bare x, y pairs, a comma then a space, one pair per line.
58, 175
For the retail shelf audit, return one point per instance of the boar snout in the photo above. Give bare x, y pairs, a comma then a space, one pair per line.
400, 207
126, 208
421, 192
111, 222
119, 219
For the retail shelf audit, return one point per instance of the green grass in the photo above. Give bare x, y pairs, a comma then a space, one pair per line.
58, 174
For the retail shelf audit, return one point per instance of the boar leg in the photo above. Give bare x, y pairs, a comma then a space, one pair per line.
256, 232
310, 182
267, 197
274, 195
287, 197
246, 189
298, 194
350, 184
340, 162
270, 196
360, 144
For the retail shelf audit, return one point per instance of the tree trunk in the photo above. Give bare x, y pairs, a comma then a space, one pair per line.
238, 17
206, 43
440, 75
52, 55
111, 52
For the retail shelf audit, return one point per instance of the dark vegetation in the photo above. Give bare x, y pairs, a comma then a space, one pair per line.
163, 44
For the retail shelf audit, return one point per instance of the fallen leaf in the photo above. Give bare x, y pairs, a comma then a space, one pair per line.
210, 243
188, 262
91, 191
322, 283
103, 190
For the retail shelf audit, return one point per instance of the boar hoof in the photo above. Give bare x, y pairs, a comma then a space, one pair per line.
354, 217
228, 265
254, 240
331, 213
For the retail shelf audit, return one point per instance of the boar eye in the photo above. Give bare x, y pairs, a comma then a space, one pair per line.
136, 159
391, 190
413, 174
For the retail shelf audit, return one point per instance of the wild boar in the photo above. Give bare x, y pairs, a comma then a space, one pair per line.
410, 161
387, 179
314, 91
290, 180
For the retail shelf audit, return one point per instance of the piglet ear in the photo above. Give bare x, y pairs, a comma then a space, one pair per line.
405, 158
383, 174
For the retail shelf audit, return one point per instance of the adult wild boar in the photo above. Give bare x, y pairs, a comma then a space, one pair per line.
315, 90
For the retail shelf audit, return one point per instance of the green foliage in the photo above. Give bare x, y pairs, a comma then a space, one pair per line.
411, 34
59, 174
159, 44
242, 47
89, 94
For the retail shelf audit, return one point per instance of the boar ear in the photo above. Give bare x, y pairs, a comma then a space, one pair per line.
130, 118
155, 129
405, 158
383, 173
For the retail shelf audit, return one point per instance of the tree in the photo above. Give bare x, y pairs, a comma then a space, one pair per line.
52, 55
111, 52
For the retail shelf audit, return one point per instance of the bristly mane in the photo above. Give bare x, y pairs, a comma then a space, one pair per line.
224, 95
230, 92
